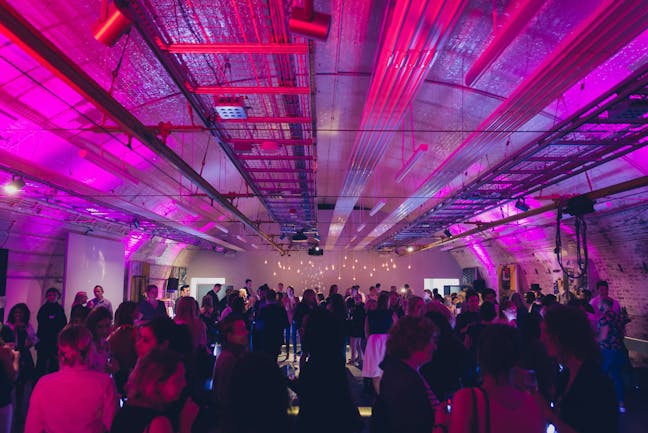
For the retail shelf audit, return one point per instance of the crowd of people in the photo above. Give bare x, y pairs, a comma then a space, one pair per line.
464, 362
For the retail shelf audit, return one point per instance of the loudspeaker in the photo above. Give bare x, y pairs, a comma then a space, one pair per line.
172, 285
4, 262
479, 285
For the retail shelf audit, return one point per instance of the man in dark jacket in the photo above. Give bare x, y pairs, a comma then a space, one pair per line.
51, 320
271, 321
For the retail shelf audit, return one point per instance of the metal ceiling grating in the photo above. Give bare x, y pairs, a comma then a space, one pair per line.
604, 130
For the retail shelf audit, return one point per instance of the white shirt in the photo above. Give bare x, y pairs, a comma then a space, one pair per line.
73, 400
103, 303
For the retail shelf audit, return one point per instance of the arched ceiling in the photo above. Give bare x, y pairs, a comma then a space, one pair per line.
528, 100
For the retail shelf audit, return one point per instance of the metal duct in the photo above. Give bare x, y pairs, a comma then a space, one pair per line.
412, 32
590, 46
523, 15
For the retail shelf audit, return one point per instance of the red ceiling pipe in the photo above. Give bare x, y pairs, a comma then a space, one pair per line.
252, 90
112, 26
309, 23
242, 48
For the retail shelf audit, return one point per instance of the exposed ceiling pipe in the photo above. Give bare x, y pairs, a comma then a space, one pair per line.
51, 178
413, 32
147, 27
26, 36
513, 27
589, 46
640, 182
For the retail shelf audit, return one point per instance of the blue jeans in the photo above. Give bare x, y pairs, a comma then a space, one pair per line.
291, 331
613, 363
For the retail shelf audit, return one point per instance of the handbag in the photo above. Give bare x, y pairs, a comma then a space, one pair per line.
474, 421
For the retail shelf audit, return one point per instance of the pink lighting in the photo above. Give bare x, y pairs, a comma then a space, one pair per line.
588, 47
132, 243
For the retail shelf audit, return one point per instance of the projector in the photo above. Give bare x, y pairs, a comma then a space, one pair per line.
315, 251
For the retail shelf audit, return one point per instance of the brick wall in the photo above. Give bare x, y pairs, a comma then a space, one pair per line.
618, 252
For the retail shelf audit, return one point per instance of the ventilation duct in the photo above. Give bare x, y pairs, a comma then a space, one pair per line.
412, 32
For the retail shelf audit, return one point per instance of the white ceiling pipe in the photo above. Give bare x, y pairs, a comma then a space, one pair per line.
512, 28
590, 46
412, 31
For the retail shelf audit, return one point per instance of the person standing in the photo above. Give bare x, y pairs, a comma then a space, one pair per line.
99, 300
610, 338
151, 307
290, 305
75, 399
213, 294
603, 293
271, 322
51, 320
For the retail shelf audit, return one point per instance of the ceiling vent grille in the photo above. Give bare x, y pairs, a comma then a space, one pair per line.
231, 108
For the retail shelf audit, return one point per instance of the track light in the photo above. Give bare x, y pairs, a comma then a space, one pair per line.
17, 184
136, 223
521, 204
377, 207
448, 233
407, 167
299, 237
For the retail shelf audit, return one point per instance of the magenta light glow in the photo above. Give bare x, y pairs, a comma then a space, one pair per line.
133, 242
475, 245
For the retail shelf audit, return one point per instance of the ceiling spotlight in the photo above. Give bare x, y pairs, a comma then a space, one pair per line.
410, 249
299, 237
448, 233
17, 184
136, 223
520, 204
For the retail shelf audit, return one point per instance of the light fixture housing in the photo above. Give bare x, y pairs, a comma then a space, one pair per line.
299, 237
521, 204
448, 233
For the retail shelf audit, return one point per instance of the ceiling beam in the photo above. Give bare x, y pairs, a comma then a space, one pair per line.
640, 182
